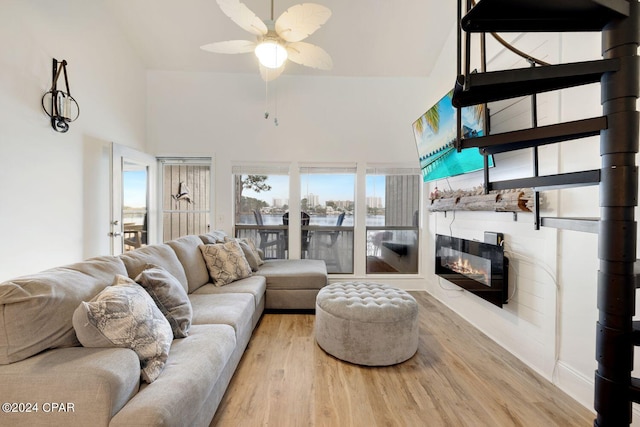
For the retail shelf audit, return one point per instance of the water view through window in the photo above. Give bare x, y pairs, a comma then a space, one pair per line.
328, 210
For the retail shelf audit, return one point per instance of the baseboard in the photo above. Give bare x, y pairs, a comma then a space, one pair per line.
575, 384
581, 388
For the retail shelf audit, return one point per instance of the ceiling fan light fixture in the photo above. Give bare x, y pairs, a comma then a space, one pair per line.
271, 54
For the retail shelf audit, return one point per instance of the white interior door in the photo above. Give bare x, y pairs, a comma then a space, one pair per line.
134, 213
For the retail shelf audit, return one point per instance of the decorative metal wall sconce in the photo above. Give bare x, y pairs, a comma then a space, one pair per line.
63, 108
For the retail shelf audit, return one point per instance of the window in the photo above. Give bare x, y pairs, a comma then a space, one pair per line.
261, 200
393, 212
328, 198
186, 196
134, 205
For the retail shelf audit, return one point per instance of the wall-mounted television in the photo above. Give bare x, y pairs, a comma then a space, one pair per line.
435, 134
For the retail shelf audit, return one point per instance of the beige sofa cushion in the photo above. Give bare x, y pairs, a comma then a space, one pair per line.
186, 248
36, 310
162, 255
235, 310
254, 285
192, 373
125, 316
97, 381
294, 274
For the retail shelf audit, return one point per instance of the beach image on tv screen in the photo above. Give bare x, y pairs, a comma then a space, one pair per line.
435, 135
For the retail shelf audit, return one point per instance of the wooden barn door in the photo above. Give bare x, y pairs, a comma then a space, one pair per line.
186, 197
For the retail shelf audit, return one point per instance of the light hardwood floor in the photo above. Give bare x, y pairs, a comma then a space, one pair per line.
458, 377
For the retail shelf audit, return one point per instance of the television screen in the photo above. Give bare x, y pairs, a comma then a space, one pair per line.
435, 134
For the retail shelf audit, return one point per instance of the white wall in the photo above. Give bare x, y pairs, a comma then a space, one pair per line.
54, 207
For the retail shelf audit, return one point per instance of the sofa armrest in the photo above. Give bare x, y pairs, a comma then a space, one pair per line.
74, 386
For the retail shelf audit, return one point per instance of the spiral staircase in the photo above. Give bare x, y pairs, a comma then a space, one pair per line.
618, 72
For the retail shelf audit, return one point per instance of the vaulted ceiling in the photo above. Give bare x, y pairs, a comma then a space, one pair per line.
365, 38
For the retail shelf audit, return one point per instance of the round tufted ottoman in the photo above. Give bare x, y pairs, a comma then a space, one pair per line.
367, 323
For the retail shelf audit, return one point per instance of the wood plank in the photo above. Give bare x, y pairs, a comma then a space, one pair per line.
458, 377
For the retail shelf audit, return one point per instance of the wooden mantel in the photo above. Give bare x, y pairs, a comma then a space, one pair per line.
518, 200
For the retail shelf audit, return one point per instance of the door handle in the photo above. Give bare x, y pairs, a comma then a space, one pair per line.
115, 234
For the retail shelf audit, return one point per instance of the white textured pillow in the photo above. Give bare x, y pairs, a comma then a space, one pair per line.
124, 315
226, 262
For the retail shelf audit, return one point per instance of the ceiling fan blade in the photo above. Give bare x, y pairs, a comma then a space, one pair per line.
301, 20
230, 46
243, 16
309, 55
269, 74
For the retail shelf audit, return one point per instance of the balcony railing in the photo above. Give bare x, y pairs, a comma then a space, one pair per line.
332, 244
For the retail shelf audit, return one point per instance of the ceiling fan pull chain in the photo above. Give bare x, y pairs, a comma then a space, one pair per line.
266, 99
275, 106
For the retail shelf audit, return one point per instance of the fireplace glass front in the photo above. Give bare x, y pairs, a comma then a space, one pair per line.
480, 268
471, 266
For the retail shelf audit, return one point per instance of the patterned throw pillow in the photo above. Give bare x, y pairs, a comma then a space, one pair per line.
252, 257
124, 315
226, 262
169, 296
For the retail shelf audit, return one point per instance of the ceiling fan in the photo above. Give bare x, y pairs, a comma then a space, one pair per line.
277, 40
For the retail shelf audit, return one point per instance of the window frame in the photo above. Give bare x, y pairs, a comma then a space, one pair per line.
395, 170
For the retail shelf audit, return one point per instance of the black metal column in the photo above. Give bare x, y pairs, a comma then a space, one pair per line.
617, 231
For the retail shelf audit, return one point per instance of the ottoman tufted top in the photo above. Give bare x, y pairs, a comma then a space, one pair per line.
366, 302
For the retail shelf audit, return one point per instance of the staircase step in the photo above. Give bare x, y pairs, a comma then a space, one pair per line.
636, 333
634, 390
543, 15
534, 137
587, 225
478, 88
550, 182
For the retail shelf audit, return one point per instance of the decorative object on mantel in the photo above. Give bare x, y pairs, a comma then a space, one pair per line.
517, 200
63, 108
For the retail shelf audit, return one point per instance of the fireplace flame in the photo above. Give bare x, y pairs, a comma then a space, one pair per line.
463, 266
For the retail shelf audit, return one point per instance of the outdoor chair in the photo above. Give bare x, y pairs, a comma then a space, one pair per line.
305, 234
266, 236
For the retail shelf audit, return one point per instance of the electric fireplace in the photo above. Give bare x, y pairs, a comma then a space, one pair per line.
480, 268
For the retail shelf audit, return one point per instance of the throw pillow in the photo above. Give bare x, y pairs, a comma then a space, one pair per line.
257, 252
169, 296
251, 257
226, 262
124, 315
212, 237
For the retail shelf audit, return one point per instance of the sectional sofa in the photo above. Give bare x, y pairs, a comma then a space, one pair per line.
48, 378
